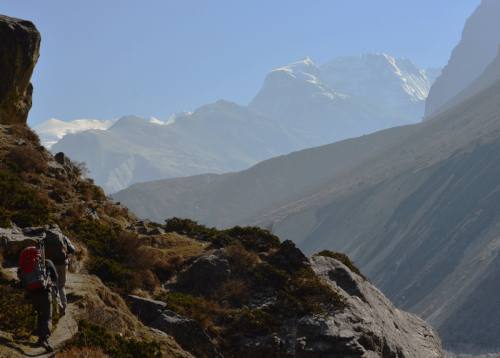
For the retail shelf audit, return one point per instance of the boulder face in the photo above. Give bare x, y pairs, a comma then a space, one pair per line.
20, 46
370, 327
187, 332
14, 240
206, 273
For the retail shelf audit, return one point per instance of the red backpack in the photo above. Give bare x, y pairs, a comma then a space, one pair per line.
32, 269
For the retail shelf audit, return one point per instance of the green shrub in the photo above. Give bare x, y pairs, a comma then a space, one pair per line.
107, 259
111, 272
306, 293
242, 261
190, 228
16, 313
21, 204
117, 256
204, 311
252, 238
90, 335
253, 322
342, 258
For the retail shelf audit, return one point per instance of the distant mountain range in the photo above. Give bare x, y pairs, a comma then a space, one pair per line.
416, 206
299, 106
53, 130
215, 138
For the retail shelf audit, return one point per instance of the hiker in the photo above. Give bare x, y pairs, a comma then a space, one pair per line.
39, 278
58, 247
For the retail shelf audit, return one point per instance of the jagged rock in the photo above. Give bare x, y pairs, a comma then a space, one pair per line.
92, 214
187, 332
289, 257
13, 241
205, 274
370, 326
145, 227
146, 309
19, 51
62, 159
156, 231
264, 346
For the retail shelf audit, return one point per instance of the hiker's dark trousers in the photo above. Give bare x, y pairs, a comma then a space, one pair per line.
42, 304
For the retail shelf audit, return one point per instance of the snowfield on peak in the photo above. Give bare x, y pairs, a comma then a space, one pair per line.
379, 77
53, 130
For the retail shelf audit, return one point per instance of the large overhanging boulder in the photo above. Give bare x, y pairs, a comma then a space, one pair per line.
19, 51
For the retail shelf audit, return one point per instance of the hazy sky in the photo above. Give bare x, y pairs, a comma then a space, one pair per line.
107, 58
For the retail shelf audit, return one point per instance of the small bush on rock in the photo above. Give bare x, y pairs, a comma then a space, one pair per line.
252, 238
24, 132
198, 308
93, 336
342, 258
117, 256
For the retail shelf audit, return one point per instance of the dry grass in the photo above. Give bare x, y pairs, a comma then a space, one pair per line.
85, 352
234, 292
203, 310
24, 132
241, 259
27, 159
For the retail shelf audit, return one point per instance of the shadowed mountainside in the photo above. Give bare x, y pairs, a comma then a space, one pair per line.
477, 48
418, 213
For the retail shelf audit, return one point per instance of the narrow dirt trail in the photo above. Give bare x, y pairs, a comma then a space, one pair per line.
67, 326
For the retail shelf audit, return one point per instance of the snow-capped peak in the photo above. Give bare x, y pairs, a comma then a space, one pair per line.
53, 129
364, 75
299, 68
154, 120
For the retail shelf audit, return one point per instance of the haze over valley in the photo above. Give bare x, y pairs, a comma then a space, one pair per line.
300, 105
250, 179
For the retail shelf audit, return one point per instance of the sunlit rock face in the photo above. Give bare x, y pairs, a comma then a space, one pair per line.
396, 85
19, 51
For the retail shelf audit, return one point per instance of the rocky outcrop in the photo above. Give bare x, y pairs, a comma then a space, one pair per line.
14, 240
370, 326
206, 273
146, 227
187, 332
289, 257
20, 45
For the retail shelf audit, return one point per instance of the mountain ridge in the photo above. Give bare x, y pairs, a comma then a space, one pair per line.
475, 51
276, 122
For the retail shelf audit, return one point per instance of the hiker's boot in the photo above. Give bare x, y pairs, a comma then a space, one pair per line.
44, 342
